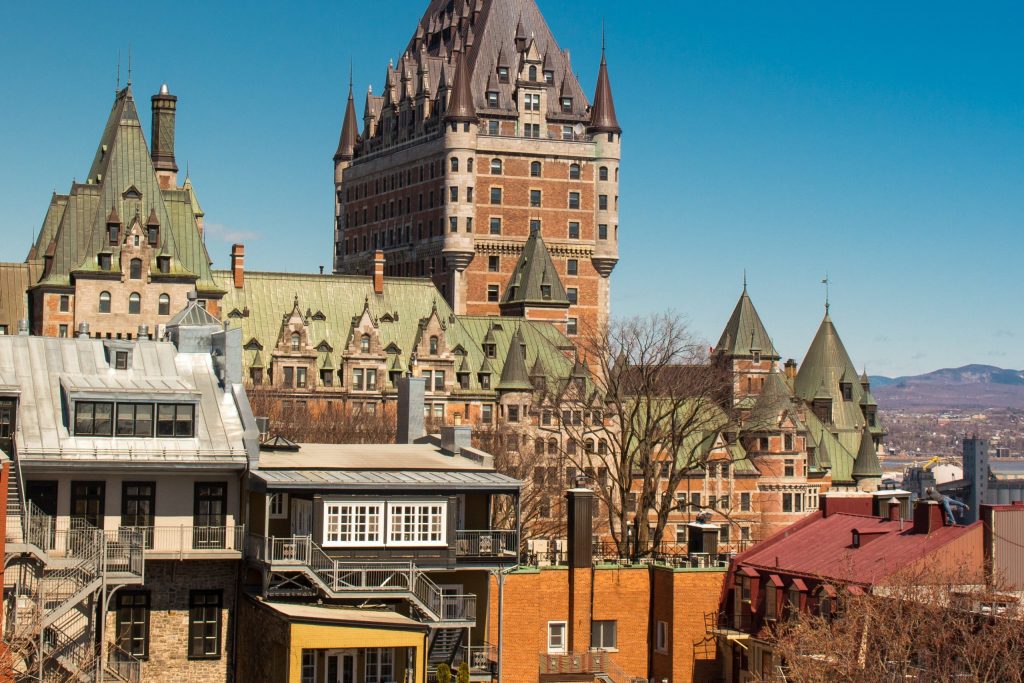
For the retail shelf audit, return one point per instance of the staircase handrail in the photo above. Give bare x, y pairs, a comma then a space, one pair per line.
123, 664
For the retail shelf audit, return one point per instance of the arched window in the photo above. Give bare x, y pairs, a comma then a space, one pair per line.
538, 447
602, 173
455, 164
433, 346
574, 172
104, 302
364, 344
533, 73
296, 341
134, 303
165, 305
535, 169
495, 166
135, 269
552, 446
588, 445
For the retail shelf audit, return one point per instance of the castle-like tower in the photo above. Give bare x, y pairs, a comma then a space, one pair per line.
481, 138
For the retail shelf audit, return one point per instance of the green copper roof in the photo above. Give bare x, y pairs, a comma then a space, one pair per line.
775, 397
866, 465
514, 376
534, 280
745, 333
121, 180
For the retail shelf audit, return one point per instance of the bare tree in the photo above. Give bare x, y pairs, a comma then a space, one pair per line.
923, 625
317, 420
642, 409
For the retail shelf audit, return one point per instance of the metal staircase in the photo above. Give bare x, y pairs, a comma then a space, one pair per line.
56, 590
444, 645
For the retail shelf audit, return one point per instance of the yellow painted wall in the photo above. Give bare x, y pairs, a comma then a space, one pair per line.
325, 637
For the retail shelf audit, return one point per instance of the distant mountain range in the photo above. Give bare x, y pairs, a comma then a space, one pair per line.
971, 386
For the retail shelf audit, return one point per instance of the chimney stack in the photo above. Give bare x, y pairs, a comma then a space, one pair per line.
928, 516
894, 509
790, 369
83, 330
164, 106
378, 272
410, 409
238, 265
580, 527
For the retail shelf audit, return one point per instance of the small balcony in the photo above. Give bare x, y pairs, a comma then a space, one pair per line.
591, 663
190, 542
490, 544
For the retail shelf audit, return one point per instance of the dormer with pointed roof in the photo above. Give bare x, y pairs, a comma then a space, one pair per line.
866, 466
514, 376
534, 291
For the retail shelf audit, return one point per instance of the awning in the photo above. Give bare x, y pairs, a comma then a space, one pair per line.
775, 580
799, 585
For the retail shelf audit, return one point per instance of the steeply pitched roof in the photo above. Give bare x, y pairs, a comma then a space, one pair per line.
602, 114
460, 107
349, 130
745, 332
774, 398
866, 465
514, 376
534, 280
14, 280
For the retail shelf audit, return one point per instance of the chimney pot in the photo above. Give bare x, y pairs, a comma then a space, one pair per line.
164, 106
928, 516
378, 272
238, 265
23, 327
580, 527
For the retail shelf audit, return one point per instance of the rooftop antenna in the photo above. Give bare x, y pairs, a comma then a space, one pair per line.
744, 279
826, 282
129, 65
117, 88
350, 74
602, 36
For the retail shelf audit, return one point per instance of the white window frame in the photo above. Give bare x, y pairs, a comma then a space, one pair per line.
561, 648
380, 665
615, 633
279, 506
661, 635
377, 541
392, 518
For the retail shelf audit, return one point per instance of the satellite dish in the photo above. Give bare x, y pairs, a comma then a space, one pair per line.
578, 129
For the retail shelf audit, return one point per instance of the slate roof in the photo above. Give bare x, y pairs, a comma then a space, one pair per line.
745, 332
533, 272
74, 228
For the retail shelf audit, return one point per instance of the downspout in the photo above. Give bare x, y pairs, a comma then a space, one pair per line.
501, 608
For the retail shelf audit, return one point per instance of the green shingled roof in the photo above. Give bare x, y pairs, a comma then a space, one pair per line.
745, 333
866, 465
75, 225
534, 279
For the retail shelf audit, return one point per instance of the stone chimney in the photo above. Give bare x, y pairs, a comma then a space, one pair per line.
580, 527
378, 272
790, 369
164, 106
410, 409
456, 437
238, 265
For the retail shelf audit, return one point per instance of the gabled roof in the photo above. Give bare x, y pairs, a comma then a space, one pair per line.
534, 280
745, 332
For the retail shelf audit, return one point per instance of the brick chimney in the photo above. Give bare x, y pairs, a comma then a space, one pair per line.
238, 265
894, 509
378, 272
928, 516
790, 369
164, 106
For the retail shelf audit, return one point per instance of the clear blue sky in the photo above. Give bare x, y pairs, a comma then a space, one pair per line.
882, 142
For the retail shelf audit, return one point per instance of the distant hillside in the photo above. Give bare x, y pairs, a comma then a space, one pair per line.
971, 386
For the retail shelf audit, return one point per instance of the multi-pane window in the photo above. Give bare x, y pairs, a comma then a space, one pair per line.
204, 624
175, 420
485, 380
602, 202
574, 173
789, 468
492, 99
65, 303
453, 194
353, 524
745, 502
94, 419
278, 505
532, 101
135, 269
104, 302
572, 294
602, 231
289, 377
535, 198
6, 418
574, 200
138, 502
603, 635
308, 671
495, 195
556, 637
364, 344
535, 169
492, 125
357, 379
380, 665
209, 514
88, 502
164, 305
602, 173
574, 230
417, 524
495, 166
493, 264
133, 622
486, 410
492, 293
572, 266
513, 414
571, 326
495, 226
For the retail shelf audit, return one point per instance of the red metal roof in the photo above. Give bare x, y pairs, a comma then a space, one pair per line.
822, 547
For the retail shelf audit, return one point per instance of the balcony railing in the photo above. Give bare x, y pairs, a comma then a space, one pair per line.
487, 543
591, 662
185, 541
480, 658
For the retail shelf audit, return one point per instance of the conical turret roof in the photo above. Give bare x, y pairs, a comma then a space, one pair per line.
602, 114
745, 332
866, 465
513, 375
534, 279
460, 106
773, 399
349, 131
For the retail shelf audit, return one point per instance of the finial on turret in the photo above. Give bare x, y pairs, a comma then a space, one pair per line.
827, 283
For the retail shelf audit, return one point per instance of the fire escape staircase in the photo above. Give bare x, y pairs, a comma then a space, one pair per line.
51, 618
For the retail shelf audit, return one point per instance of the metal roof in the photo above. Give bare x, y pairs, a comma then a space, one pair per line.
382, 480
745, 332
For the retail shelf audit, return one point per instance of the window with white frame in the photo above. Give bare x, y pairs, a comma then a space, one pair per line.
556, 637
661, 643
417, 523
380, 665
603, 635
278, 505
308, 666
353, 523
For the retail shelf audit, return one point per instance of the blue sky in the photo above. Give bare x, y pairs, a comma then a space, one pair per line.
880, 142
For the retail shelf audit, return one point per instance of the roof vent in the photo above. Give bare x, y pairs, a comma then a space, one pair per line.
83, 330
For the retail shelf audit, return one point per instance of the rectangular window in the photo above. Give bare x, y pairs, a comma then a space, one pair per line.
492, 125
380, 665
681, 534
495, 195
417, 523
572, 294
88, 503
789, 468
603, 635
556, 637
133, 622
571, 326
453, 224
492, 293
63, 333
209, 514
357, 379
135, 419
300, 378
513, 413
65, 303
574, 230
745, 502
574, 200
572, 266
787, 502
535, 198
602, 202
567, 133
278, 505
308, 673
487, 411
439, 380
495, 226
94, 419
138, 503
770, 601
602, 231
353, 524
493, 264
661, 641
204, 624
453, 194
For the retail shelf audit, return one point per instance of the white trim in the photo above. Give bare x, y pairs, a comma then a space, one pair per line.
354, 502
561, 649
391, 518
283, 500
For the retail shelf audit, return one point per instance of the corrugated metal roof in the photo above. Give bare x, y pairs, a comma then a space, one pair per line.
39, 366
378, 480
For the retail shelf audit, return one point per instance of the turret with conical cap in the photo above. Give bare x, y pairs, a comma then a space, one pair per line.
349, 130
602, 113
460, 106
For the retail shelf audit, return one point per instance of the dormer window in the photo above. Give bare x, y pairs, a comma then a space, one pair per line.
757, 356
847, 390
296, 341
545, 292
492, 98
135, 269
104, 261
485, 380
567, 104
491, 350
549, 76
120, 360
533, 73
163, 264
112, 232
364, 344
433, 346
502, 74
152, 235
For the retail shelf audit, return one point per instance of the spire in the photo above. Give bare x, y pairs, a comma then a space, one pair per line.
602, 113
349, 129
513, 374
745, 333
460, 106
866, 465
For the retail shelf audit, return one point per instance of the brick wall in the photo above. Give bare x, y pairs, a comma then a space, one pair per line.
169, 583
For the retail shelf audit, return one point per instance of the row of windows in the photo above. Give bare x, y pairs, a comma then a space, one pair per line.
204, 622
396, 181
172, 420
152, 235
695, 498
134, 303
376, 523
603, 636
536, 199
